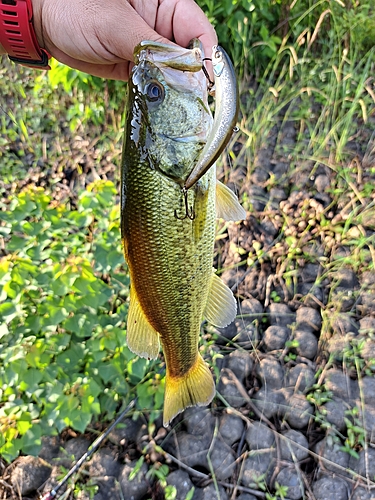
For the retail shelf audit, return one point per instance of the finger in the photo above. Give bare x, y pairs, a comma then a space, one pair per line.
114, 71
183, 20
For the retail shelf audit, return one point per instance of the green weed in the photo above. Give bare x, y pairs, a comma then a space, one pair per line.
63, 289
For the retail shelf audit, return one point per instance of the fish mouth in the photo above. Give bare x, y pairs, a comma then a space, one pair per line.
171, 56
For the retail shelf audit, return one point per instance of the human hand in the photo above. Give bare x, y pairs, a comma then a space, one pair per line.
99, 37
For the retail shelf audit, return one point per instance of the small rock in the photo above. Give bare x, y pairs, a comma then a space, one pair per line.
289, 477
258, 197
280, 169
346, 278
280, 314
228, 389
127, 432
344, 323
222, 460
247, 334
366, 300
298, 411
308, 318
361, 493
269, 227
259, 176
181, 481
231, 428
312, 294
365, 464
199, 421
246, 496
107, 489
368, 389
104, 463
256, 465
322, 182
337, 346
274, 337
240, 362
367, 325
335, 413
30, 474
341, 385
368, 351
270, 372
210, 493
269, 402
367, 279
307, 344
331, 453
277, 195
191, 449
289, 451
330, 488
259, 436
72, 451
50, 448
136, 488
227, 333
368, 420
300, 377
343, 298
309, 272
251, 310
230, 277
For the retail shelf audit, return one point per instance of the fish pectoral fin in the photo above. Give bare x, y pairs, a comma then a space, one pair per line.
221, 307
141, 337
196, 387
227, 204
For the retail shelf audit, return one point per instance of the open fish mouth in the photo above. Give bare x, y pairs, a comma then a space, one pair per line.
161, 54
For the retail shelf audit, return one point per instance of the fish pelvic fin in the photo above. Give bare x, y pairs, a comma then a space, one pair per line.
141, 337
196, 387
227, 204
221, 307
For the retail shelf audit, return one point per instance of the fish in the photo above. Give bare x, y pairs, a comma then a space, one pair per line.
226, 113
168, 232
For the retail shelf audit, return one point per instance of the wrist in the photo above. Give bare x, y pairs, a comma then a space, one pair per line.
17, 34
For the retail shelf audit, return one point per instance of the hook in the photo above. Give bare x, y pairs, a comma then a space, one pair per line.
210, 82
189, 213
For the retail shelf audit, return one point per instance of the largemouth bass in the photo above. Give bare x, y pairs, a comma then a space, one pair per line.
168, 232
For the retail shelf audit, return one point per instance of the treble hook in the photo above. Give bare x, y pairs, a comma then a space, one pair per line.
210, 82
189, 213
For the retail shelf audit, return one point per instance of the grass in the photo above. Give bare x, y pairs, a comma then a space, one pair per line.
316, 79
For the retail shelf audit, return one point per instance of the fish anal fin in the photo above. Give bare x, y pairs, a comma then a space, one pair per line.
141, 337
196, 387
221, 307
227, 204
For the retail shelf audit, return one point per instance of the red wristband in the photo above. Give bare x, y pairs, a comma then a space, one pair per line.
17, 34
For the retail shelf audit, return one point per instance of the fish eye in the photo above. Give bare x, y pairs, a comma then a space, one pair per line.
155, 91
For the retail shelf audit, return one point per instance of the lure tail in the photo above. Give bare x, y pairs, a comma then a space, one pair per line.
196, 387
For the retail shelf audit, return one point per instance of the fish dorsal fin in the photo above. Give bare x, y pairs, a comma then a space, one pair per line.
227, 204
141, 337
221, 307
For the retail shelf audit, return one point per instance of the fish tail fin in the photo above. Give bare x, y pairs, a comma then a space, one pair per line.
196, 387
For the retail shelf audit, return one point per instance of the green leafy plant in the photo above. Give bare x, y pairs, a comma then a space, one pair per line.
63, 289
356, 434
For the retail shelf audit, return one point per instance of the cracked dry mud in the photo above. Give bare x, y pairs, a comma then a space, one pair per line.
296, 367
